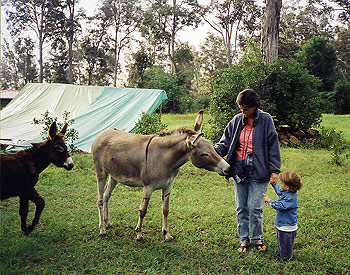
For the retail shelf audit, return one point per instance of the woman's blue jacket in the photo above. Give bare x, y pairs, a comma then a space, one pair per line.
266, 152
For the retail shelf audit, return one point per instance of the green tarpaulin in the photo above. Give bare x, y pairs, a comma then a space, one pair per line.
93, 108
115, 108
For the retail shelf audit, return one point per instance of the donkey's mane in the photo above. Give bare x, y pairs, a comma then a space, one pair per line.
181, 130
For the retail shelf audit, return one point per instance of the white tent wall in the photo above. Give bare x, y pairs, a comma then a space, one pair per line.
35, 99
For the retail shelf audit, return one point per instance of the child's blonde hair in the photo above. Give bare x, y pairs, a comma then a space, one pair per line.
292, 180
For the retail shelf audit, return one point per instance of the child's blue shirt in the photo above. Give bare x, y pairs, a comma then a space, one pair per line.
286, 207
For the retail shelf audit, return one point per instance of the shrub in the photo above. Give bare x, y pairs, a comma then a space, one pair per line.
249, 73
331, 139
46, 120
149, 124
291, 95
342, 97
286, 89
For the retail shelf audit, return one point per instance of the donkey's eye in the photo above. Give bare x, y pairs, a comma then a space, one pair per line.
59, 148
204, 155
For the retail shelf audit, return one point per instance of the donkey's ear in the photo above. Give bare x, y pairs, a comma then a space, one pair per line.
52, 130
64, 129
199, 121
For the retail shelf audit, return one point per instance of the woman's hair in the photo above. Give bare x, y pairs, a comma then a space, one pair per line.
292, 180
248, 98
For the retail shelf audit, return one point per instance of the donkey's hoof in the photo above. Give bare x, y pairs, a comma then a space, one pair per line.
169, 238
102, 235
109, 226
140, 239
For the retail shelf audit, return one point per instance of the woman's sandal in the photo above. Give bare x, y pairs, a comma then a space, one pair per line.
243, 248
260, 247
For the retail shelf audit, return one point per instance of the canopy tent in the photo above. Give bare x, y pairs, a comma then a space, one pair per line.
93, 108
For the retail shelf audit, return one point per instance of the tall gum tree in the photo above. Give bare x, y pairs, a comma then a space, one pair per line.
270, 30
39, 16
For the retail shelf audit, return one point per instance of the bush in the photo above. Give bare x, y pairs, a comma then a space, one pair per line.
342, 97
249, 73
149, 124
46, 120
286, 89
291, 95
331, 139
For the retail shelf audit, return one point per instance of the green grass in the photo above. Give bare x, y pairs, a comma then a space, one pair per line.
175, 120
202, 220
339, 122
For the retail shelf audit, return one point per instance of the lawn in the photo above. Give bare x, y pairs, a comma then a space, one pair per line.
202, 220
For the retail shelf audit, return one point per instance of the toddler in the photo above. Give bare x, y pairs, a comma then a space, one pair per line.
286, 212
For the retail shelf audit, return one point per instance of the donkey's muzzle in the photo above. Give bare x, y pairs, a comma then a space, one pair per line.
68, 164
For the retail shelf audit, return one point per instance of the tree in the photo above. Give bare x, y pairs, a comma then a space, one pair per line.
229, 16
141, 62
342, 97
300, 23
342, 47
122, 17
18, 65
212, 57
95, 54
71, 24
40, 16
56, 68
270, 30
163, 21
320, 59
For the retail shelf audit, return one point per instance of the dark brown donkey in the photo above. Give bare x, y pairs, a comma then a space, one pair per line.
151, 162
20, 172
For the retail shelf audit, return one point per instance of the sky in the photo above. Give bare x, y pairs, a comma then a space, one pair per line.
194, 37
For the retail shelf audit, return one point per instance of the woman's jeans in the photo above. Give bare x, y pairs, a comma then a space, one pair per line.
249, 201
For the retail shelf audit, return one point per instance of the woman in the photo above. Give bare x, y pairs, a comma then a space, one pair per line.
250, 144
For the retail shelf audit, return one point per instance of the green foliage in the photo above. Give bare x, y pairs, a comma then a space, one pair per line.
287, 91
46, 120
291, 95
342, 47
320, 60
250, 73
18, 65
333, 140
149, 124
342, 97
174, 84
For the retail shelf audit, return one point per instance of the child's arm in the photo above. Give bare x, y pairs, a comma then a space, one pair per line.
284, 203
277, 189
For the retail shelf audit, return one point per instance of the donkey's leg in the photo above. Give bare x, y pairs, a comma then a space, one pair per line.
40, 204
23, 212
101, 182
107, 194
146, 196
165, 206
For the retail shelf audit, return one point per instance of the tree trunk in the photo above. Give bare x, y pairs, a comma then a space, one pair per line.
70, 43
41, 43
270, 30
172, 46
116, 58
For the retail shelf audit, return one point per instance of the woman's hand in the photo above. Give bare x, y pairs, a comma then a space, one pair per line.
273, 178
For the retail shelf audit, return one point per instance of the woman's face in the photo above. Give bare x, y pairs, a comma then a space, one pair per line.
247, 111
